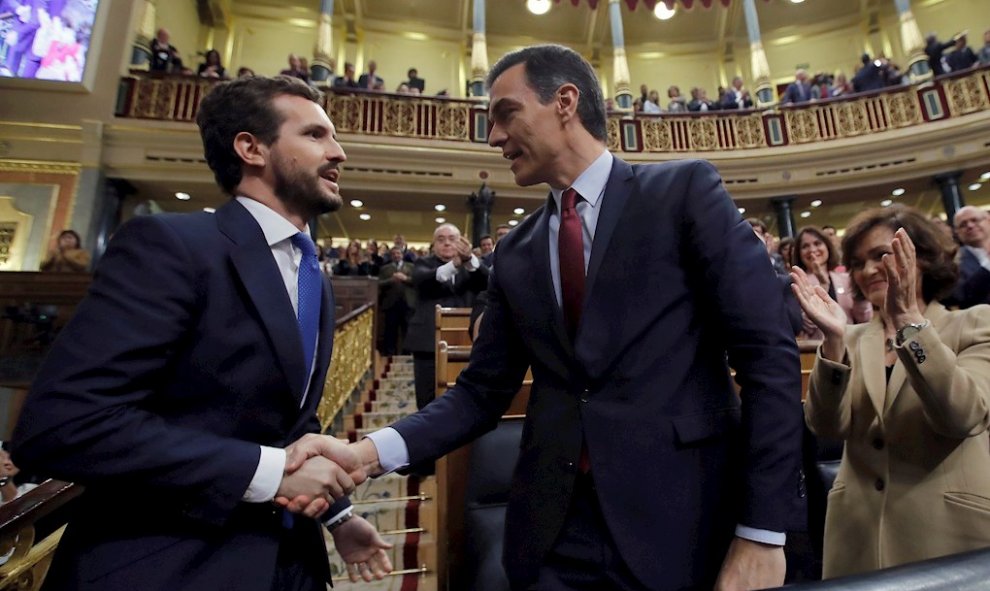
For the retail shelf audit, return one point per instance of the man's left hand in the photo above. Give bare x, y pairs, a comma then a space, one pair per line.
363, 550
751, 565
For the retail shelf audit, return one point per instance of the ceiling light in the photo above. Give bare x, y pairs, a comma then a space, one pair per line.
796, 1
513, 222
209, 209
886, 203
662, 12
816, 203
985, 176
518, 211
975, 187
538, 6
898, 192
365, 216
742, 210
183, 196
806, 214
440, 220
439, 207
357, 203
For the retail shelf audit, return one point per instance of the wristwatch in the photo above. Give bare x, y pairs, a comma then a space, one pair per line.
907, 331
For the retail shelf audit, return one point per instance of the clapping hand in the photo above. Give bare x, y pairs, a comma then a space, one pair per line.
901, 303
463, 249
825, 312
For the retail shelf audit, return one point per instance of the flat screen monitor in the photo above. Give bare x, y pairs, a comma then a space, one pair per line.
46, 39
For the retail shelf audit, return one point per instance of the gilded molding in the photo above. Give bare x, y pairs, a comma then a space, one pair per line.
351, 362
39, 166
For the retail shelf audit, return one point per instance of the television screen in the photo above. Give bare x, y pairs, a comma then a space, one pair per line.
45, 39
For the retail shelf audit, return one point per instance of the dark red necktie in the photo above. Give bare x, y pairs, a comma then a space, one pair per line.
570, 252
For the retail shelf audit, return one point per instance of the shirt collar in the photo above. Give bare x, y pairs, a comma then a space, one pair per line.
275, 227
590, 184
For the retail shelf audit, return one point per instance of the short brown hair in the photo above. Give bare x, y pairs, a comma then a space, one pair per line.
935, 251
244, 104
833, 257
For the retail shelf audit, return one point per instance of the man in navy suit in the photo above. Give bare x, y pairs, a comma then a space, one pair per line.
640, 467
182, 394
972, 226
798, 91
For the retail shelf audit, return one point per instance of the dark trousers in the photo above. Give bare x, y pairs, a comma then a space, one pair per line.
396, 325
424, 377
585, 557
291, 572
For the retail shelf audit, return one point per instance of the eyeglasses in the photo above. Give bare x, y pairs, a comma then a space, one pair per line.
969, 222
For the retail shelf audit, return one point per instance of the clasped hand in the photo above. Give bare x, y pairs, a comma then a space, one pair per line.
318, 470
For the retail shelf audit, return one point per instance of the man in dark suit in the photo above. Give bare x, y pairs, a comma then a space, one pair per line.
640, 467
182, 394
736, 97
415, 81
869, 77
398, 299
798, 91
370, 80
451, 276
973, 229
347, 80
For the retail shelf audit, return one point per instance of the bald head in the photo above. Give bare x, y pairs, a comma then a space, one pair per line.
972, 226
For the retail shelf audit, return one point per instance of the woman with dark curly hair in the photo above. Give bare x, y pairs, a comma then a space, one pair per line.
816, 255
909, 393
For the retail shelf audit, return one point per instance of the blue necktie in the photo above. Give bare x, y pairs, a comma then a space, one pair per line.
310, 294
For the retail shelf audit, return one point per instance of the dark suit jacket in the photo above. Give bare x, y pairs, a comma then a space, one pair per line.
678, 462
973, 285
796, 93
391, 292
182, 359
729, 100
430, 293
868, 78
363, 80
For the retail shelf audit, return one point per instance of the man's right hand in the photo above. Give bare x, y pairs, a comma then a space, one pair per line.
310, 489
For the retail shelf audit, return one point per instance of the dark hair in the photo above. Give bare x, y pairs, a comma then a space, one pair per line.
243, 105
486, 237
506, 226
935, 251
757, 223
548, 67
72, 233
833, 257
206, 57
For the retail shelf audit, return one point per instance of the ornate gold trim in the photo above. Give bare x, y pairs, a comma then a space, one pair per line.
43, 166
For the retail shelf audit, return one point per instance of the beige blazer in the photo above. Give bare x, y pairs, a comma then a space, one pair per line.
914, 482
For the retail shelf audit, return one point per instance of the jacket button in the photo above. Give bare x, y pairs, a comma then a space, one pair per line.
585, 395
878, 443
879, 485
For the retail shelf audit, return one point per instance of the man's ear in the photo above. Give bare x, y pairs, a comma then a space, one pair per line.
250, 149
567, 100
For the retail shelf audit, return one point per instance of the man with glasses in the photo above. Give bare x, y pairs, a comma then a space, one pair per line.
972, 226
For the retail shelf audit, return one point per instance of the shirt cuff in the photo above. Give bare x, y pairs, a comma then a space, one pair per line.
446, 272
337, 516
473, 263
267, 476
773, 538
392, 451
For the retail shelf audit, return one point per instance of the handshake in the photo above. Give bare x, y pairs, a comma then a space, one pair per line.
318, 470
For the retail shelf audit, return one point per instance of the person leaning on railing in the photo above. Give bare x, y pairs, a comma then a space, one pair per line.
909, 393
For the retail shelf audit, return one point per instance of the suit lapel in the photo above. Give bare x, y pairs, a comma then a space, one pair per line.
871, 354
258, 273
617, 192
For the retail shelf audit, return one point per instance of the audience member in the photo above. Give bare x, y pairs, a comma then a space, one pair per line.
9, 488
245, 72
736, 97
402, 89
487, 247
785, 248
677, 102
398, 300
164, 55
962, 57
375, 260
833, 236
869, 77
408, 254
644, 93
840, 85
791, 308
500, 231
353, 263
370, 79
652, 106
908, 394
985, 50
212, 68
415, 81
798, 91
295, 69
451, 276
821, 86
761, 231
818, 258
68, 255
973, 230
699, 101
347, 80
935, 49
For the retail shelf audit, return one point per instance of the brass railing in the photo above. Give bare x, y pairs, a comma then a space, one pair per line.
176, 98
27, 565
353, 354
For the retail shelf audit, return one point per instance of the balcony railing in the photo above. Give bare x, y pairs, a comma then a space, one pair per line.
176, 98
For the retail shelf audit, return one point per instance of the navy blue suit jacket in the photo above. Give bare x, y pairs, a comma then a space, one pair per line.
182, 359
973, 285
678, 458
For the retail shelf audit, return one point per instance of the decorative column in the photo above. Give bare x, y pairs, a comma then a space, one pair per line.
952, 197
913, 43
758, 58
623, 92
479, 51
785, 216
481, 209
141, 50
323, 66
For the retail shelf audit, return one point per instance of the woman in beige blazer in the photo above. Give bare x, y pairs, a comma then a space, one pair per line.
909, 394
